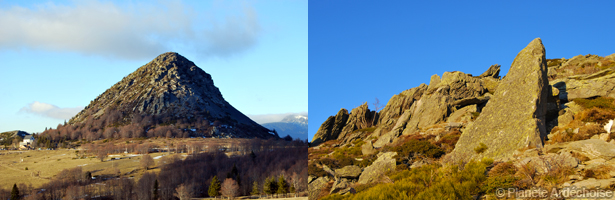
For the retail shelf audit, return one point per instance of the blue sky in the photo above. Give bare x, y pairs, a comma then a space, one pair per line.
58, 56
362, 50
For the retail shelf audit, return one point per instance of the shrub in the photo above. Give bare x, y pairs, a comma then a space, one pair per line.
449, 140
598, 115
414, 148
599, 172
503, 169
475, 115
316, 171
26, 168
482, 147
587, 132
494, 182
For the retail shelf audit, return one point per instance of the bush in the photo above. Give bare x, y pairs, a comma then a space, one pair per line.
414, 148
503, 169
494, 182
598, 115
449, 140
599, 172
316, 171
482, 147
26, 168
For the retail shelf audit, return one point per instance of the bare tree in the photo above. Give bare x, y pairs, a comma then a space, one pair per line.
376, 107
147, 161
182, 192
230, 188
102, 154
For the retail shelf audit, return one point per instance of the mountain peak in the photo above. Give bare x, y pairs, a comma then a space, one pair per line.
171, 88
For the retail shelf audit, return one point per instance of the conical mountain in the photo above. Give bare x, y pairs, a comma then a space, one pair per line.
169, 90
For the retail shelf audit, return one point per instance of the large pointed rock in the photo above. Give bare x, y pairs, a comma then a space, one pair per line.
331, 128
515, 116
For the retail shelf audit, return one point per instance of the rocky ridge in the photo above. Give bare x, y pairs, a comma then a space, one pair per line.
533, 118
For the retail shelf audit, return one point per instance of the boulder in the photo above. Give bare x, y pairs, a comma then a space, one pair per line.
601, 83
350, 171
434, 81
514, 118
493, 71
594, 183
570, 109
463, 114
339, 185
331, 128
378, 168
592, 148
367, 148
316, 186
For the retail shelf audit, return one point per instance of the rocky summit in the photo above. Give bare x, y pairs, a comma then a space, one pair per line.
515, 117
170, 89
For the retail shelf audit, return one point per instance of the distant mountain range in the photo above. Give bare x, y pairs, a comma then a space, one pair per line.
294, 125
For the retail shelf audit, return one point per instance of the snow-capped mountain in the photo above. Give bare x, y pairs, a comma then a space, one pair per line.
297, 119
294, 125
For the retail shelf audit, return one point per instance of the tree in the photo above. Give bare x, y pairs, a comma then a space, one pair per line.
255, 188
271, 186
282, 185
214, 187
230, 188
147, 161
155, 190
102, 154
15, 193
88, 175
376, 107
182, 192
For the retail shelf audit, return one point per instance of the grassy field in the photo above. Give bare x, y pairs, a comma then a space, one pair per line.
47, 164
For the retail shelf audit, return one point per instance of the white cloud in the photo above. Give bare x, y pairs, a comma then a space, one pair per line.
49, 110
266, 118
131, 30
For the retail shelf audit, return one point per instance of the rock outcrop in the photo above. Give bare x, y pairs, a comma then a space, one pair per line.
515, 117
331, 128
378, 168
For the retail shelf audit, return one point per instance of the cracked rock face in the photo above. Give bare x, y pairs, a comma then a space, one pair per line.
514, 117
170, 86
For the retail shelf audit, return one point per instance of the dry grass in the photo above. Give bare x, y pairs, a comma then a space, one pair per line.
599, 172
49, 163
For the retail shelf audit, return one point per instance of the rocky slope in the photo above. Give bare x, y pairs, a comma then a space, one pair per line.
170, 89
547, 118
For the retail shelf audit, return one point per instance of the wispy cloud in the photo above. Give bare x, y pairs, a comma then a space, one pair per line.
130, 30
266, 118
49, 110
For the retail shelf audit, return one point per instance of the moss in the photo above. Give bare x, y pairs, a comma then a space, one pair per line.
482, 147
599, 102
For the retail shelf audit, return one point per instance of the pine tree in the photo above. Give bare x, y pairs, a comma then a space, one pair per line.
282, 185
15, 193
214, 187
255, 188
156, 189
267, 186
